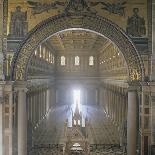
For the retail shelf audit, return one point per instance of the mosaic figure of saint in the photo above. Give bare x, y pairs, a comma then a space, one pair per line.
136, 25
18, 23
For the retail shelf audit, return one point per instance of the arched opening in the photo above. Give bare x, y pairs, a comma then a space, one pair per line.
56, 24
97, 101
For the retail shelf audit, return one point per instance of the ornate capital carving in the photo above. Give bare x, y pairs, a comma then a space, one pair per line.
21, 86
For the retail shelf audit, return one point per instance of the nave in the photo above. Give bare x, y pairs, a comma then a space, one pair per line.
103, 135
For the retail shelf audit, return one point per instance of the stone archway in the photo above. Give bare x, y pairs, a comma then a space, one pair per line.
85, 21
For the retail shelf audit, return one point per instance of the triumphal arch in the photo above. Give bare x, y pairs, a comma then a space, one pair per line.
77, 75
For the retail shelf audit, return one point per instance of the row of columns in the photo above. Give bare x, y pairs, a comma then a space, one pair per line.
106, 96
39, 101
34, 104
120, 105
114, 100
131, 121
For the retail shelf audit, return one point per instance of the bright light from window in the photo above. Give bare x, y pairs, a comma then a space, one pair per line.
63, 61
78, 122
35, 52
74, 122
40, 51
91, 61
77, 61
76, 97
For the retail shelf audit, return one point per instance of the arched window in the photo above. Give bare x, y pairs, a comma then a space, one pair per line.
77, 61
63, 61
91, 61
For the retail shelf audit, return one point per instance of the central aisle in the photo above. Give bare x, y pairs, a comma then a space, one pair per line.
101, 129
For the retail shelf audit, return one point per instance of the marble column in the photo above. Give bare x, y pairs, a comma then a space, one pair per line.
132, 122
116, 111
33, 106
40, 103
112, 108
22, 120
35, 109
11, 122
31, 102
31, 112
109, 101
44, 104
111, 98
106, 100
1, 118
120, 109
100, 96
48, 99
96, 96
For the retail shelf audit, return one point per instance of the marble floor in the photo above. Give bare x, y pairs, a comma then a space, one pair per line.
101, 128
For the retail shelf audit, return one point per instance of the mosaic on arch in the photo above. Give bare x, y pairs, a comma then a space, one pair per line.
131, 15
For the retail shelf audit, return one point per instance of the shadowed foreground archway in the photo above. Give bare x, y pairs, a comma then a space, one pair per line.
89, 22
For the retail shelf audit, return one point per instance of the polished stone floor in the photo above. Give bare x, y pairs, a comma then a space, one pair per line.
101, 128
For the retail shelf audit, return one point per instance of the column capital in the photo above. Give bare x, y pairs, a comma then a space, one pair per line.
20, 86
134, 86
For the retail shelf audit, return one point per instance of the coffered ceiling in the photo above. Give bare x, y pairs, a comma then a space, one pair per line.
77, 40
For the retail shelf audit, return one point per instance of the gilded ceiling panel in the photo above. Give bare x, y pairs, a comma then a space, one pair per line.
77, 41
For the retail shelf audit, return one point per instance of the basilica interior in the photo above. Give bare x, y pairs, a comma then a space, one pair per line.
79, 61
77, 77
